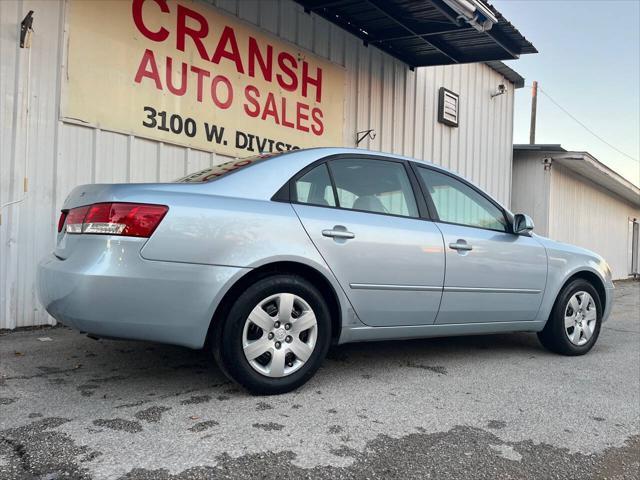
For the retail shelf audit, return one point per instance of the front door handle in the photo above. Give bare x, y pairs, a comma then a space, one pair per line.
338, 231
460, 245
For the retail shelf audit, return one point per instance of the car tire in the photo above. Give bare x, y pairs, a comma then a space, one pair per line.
290, 356
571, 322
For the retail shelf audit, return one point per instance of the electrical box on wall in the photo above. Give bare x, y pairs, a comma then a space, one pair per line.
448, 107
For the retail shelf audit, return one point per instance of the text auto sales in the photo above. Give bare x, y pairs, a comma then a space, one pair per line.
259, 61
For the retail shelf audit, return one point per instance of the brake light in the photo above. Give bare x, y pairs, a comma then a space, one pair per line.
126, 219
75, 218
63, 217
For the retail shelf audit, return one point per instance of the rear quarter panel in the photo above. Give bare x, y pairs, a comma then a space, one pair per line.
214, 230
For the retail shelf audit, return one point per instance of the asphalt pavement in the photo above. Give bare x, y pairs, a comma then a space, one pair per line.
489, 407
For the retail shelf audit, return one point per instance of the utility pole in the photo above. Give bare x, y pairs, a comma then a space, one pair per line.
534, 106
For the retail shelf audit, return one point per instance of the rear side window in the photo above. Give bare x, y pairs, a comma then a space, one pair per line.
377, 186
456, 202
314, 188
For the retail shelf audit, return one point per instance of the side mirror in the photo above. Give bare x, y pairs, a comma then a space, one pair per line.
522, 224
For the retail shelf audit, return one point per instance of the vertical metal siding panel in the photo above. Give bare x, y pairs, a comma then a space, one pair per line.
456, 133
375, 98
10, 13
419, 127
387, 87
37, 162
409, 99
320, 36
230, 6
436, 80
603, 218
172, 162
430, 109
111, 159
288, 21
398, 123
304, 30
363, 94
197, 160
486, 135
509, 115
249, 10
143, 166
351, 102
268, 18
337, 44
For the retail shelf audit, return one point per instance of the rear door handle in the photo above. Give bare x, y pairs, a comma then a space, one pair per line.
460, 245
338, 231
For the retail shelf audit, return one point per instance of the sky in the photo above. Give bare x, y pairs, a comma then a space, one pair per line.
589, 63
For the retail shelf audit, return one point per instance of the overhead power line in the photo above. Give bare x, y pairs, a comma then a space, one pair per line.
585, 126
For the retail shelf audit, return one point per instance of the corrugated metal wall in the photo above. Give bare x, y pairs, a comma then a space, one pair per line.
603, 218
530, 190
382, 93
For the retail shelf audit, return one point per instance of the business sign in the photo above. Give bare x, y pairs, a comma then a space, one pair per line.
182, 72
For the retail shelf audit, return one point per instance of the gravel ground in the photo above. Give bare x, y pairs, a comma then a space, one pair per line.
474, 407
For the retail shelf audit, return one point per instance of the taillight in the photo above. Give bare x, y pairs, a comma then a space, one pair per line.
127, 219
75, 217
63, 217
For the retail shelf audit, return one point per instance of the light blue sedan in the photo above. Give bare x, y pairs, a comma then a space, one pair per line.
267, 261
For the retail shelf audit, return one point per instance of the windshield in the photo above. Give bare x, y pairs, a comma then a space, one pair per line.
223, 169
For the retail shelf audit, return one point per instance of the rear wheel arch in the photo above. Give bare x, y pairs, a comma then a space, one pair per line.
314, 276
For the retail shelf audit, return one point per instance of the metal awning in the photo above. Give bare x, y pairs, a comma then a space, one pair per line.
427, 32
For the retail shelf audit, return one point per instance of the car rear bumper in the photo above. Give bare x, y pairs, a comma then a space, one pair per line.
106, 288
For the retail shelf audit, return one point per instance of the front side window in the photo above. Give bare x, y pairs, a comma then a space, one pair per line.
456, 202
374, 186
314, 188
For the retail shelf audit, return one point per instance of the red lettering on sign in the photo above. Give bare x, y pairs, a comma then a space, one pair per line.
228, 37
252, 94
196, 34
200, 73
302, 115
307, 80
283, 71
136, 11
183, 82
215, 96
270, 109
148, 68
266, 65
287, 70
318, 127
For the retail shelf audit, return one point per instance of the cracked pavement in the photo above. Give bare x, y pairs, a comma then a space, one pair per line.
469, 407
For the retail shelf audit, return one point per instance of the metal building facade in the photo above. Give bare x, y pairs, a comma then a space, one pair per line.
573, 198
382, 93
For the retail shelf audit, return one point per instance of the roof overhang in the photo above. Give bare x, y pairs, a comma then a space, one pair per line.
427, 32
587, 166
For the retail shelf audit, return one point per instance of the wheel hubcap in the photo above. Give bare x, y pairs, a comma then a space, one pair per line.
580, 317
279, 335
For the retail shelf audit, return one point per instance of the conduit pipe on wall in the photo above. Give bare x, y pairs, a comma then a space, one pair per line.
25, 42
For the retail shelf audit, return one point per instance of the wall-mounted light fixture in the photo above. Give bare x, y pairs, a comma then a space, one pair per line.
501, 90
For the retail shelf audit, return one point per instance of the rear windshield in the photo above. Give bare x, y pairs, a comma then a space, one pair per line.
223, 169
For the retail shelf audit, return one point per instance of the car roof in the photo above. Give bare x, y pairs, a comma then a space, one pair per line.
262, 180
